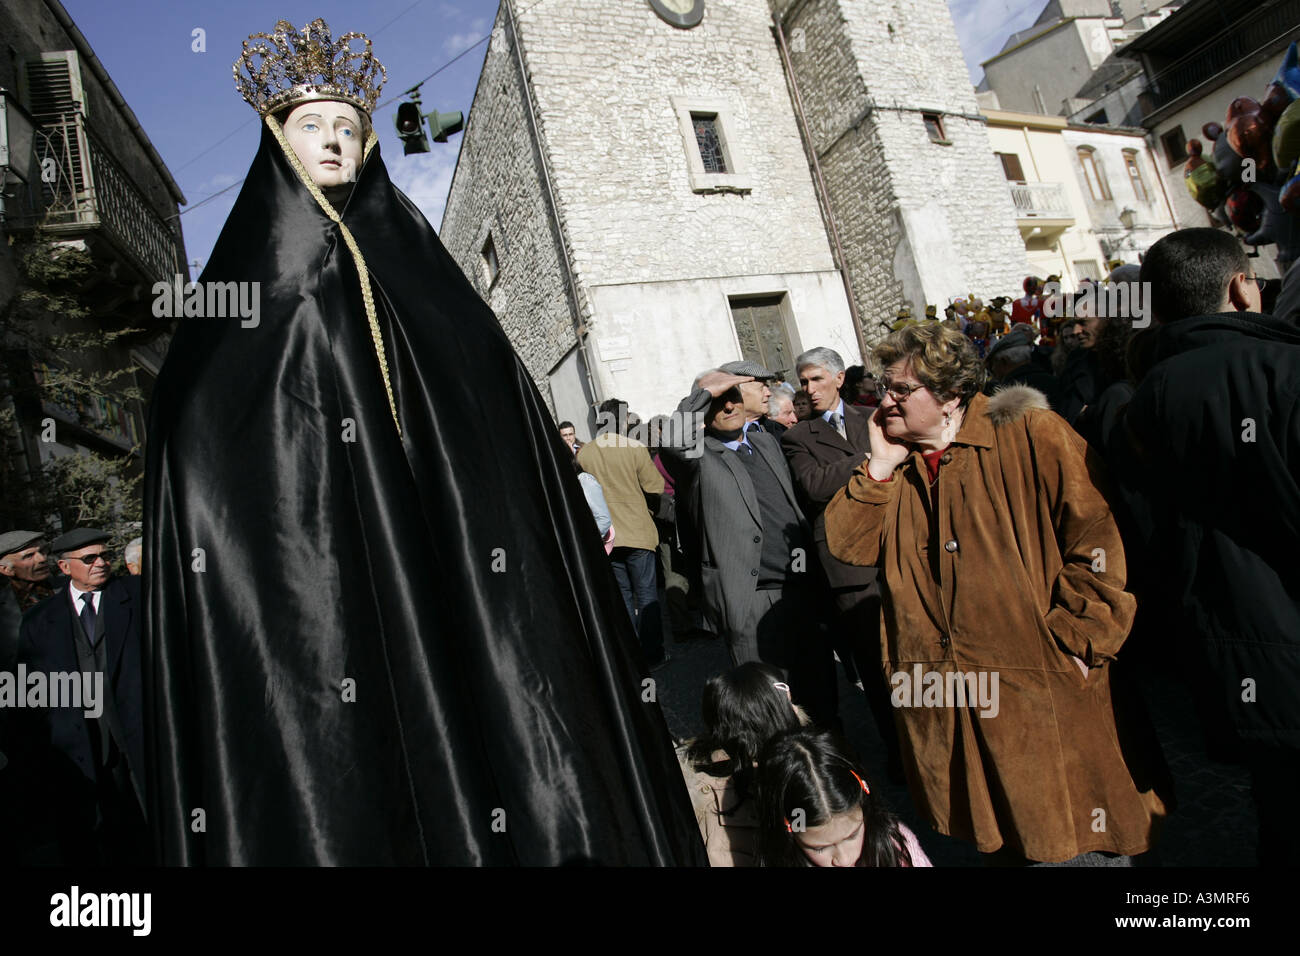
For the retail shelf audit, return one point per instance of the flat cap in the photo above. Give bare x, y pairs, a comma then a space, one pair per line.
1021, 334
12, 541
746, 367
78, 538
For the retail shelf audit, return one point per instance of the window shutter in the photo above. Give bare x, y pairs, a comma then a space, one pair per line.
54, 86
55, 97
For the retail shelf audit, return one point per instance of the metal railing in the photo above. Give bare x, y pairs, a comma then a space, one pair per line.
83, 188
1219, 53
1040, 201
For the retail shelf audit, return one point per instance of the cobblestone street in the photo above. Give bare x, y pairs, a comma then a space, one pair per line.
1213, 825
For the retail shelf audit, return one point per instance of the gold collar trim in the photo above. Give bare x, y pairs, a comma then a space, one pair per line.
367, 294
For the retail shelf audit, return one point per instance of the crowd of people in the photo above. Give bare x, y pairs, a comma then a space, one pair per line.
994, 548
372, 632
997, 539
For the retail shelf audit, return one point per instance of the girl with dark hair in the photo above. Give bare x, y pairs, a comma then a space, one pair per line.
742, 709
816, 809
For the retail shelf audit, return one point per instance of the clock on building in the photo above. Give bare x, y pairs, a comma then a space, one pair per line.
680, 13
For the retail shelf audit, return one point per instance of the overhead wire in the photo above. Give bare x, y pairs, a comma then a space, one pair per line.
481, 40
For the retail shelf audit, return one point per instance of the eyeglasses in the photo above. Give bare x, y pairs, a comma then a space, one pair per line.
1259, 281
90, 559
899, 390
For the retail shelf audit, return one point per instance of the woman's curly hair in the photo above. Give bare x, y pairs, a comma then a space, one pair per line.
941, 357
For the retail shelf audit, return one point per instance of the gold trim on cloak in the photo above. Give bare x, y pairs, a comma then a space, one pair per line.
367, 294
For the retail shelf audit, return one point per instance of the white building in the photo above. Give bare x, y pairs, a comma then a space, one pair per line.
1085, 196
649, 189
1195, 64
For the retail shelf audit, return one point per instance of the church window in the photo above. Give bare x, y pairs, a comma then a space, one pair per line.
709, 139
714, 145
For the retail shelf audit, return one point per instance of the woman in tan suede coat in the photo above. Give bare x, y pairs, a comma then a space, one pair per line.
1004, 601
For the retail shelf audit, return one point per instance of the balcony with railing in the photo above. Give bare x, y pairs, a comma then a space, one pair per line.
1271, 26
1042, 209
82, 191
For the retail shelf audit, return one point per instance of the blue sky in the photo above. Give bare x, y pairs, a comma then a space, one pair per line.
207, 135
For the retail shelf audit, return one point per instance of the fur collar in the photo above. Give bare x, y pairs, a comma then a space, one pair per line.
1012, 401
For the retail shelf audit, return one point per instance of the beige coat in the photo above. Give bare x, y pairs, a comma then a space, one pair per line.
626, 473
730, 834
1018, 571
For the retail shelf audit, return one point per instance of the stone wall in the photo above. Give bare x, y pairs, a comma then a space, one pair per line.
605, 74
656, 255
498, 189
921, 222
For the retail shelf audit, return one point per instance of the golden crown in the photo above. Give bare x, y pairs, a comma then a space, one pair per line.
297, 66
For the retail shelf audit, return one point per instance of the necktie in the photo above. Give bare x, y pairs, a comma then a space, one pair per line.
838, 421
744, 448
88, 616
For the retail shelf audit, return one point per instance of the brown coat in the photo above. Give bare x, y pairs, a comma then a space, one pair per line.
1020, 568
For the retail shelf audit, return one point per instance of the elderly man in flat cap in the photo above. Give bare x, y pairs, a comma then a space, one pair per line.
1011, 361
745, 525
25, 583
78, 765
757, 394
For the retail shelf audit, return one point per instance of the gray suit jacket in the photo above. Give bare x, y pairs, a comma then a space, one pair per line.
722, 509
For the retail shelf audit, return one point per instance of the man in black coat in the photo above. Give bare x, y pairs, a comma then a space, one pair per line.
823, 453
1205, 454
79, 754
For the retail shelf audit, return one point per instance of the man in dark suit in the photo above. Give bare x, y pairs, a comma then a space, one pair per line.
78, 760
823, 453
749, 533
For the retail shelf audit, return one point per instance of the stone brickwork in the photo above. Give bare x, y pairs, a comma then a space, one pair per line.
921, 222
615, 88
605, 74
498, 189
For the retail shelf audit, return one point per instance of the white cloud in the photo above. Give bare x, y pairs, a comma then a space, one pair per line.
426, 178
984, 25
458, 42
218, 182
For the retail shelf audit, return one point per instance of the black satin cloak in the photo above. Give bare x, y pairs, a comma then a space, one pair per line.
452, 577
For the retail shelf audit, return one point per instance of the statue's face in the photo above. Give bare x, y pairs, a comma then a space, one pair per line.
327, 138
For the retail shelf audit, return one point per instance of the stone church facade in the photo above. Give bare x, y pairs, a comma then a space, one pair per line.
639, 200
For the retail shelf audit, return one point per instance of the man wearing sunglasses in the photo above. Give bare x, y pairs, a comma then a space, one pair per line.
79, 777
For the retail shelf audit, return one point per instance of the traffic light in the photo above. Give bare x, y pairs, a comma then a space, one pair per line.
410, 128
443, 125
